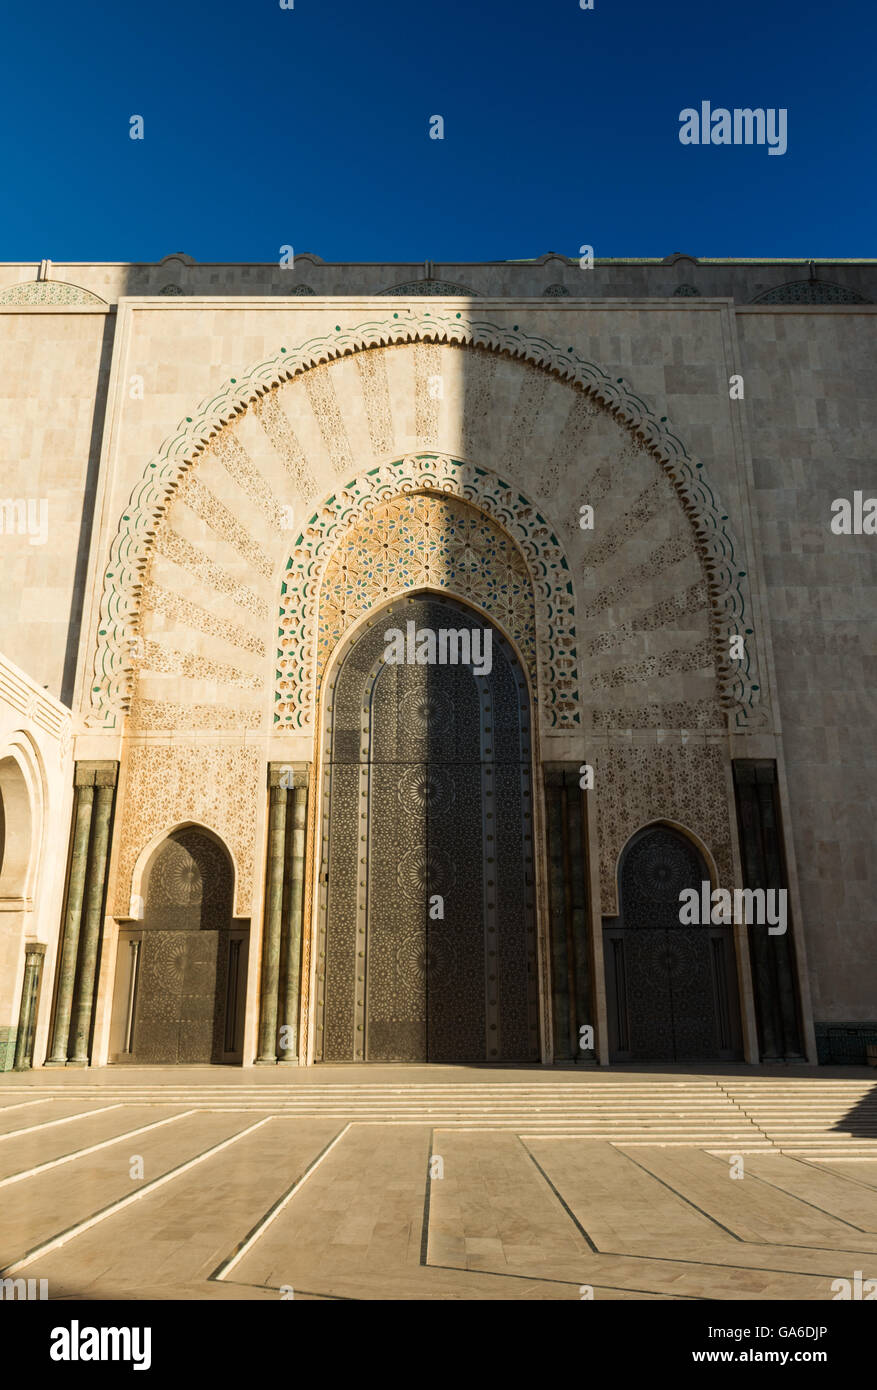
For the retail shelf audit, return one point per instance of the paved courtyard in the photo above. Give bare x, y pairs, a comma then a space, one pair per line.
439, 1182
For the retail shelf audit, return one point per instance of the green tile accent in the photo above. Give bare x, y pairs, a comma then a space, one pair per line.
7, 1047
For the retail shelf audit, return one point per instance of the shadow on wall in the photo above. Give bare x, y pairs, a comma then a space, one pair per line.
74, 626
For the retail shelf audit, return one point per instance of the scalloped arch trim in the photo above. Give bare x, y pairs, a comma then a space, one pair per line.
129, 551
540, 577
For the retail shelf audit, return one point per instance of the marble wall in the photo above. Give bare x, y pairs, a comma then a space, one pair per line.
548, 276
238, 441
811, 393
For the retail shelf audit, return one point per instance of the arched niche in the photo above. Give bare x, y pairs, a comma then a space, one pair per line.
16, 829
180, 979
671, 987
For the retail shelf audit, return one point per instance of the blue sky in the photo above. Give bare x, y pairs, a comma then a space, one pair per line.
309, 127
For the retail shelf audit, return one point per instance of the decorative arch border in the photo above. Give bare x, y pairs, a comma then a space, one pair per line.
144, 859
393, 604
21, 862
667, 823
129, 551
439, 475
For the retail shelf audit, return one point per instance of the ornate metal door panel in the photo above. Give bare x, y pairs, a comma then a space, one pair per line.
396, 932
427, 939
456, 946
343, 849
178, 994
159, 987
515, 921
202, 1002
671, 995
689, 968
649, 997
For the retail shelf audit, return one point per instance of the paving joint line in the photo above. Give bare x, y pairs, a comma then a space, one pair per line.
55, 1242
224, 1269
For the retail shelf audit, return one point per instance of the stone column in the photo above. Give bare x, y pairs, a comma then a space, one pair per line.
553, 781
271, 929
34, 955
772, 957
293, 923
569, 888
568, 897
781, 946
95, 888
84, 792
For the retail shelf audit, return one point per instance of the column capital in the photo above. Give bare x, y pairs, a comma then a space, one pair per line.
288, 775
95, 774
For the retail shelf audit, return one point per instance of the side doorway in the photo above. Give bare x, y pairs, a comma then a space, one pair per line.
671, 990
180, 983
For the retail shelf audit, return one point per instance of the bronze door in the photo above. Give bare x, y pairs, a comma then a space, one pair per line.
427, 935
181, 975
180, 982
671, 989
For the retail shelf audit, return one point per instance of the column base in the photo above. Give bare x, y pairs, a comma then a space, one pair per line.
53, 1062
265, 1062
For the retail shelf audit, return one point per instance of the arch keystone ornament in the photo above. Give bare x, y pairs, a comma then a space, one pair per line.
739, 687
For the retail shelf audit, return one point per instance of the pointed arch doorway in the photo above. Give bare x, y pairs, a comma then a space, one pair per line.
427, 927
180, 983
671, 990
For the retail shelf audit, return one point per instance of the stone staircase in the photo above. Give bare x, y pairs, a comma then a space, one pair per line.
812, 1117
802, 1116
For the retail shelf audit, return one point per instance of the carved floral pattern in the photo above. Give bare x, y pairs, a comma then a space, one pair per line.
306, 641
640, 784
49, 292
422, 541
211, 785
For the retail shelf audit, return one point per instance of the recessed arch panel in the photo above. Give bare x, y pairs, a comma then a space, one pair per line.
427, 926
671, 987
181, 972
